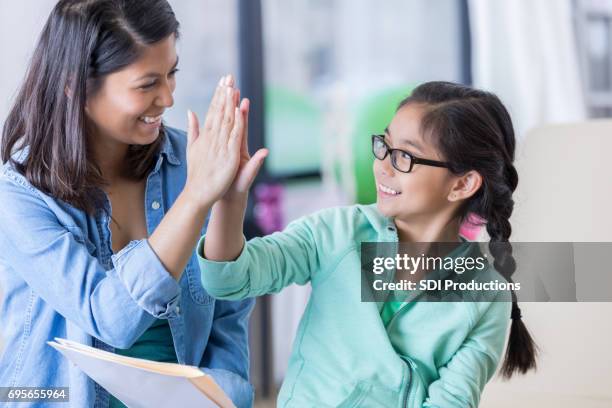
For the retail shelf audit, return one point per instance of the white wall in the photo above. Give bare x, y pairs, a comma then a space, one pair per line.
564, 195
19, 29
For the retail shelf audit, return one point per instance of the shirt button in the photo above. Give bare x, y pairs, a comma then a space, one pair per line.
178, 310
155, 205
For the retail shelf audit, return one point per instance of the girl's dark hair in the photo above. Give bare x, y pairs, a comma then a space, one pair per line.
473, 131
81, 43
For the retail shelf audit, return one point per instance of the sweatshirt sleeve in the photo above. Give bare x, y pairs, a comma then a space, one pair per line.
265, 265
463, 378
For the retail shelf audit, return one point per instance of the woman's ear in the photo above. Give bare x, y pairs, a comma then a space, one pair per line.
465, 186
67, 88
69, 95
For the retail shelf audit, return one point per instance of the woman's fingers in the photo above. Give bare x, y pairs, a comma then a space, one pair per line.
219, 113
214, 104
193, 127
229, 115
237, 133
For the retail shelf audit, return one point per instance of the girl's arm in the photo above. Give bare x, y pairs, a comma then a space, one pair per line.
463, 377
231, 270
264, 265
225, 229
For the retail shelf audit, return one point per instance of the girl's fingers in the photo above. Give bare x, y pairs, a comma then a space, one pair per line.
236, 97
193, 127
214, 104
250, 170
245, 106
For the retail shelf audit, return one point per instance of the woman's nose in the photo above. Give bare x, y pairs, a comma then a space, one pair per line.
165, 98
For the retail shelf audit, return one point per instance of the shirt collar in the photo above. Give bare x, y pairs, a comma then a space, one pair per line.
168, 149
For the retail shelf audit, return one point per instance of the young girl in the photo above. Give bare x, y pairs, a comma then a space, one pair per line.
102, 206
448, 152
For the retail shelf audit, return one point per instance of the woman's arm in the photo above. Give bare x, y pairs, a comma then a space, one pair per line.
115, 305
58, 265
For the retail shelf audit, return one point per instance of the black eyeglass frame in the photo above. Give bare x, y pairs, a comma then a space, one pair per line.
413, 159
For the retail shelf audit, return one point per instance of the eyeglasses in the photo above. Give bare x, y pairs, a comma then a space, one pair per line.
401, 160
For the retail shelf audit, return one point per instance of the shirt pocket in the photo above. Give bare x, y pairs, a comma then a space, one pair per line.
370, 395
356, 397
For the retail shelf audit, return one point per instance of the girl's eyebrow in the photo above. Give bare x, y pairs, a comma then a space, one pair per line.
406, 141
155, 74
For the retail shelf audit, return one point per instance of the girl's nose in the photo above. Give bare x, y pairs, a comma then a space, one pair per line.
386, 166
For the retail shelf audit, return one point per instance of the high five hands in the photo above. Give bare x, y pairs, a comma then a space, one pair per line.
219, 166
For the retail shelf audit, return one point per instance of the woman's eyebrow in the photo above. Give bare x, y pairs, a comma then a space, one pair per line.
406, 141
155, 74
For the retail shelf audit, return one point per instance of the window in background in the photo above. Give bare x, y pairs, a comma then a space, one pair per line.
208, 49
594, 31
326, 58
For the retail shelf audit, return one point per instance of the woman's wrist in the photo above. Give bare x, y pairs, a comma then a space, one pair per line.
195, 201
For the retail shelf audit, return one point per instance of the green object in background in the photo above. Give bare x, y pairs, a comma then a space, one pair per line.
293, 132
373, 115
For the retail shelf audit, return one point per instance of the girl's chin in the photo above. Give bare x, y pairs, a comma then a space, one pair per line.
385, 209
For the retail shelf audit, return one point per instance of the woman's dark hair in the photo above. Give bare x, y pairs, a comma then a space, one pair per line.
473, 131
82, 42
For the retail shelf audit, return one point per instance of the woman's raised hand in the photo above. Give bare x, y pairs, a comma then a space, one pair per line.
214, 150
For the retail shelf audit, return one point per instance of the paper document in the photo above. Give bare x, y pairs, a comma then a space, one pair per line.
142, 383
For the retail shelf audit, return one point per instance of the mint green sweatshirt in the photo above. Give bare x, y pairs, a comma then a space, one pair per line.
431, 354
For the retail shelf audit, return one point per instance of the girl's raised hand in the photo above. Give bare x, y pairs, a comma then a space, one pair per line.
213, 151
248, 166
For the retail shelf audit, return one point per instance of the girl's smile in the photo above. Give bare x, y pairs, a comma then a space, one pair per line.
387, 192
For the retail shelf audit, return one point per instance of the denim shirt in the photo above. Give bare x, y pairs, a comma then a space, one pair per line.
61, 279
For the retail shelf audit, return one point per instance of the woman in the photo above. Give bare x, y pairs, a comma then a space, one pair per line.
103, 205
448, 152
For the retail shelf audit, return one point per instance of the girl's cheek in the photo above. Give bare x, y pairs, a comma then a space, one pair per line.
418, 191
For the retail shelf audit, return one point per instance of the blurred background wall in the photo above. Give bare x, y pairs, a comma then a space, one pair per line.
332, 72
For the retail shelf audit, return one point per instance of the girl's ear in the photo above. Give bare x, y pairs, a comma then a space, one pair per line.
465, 186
